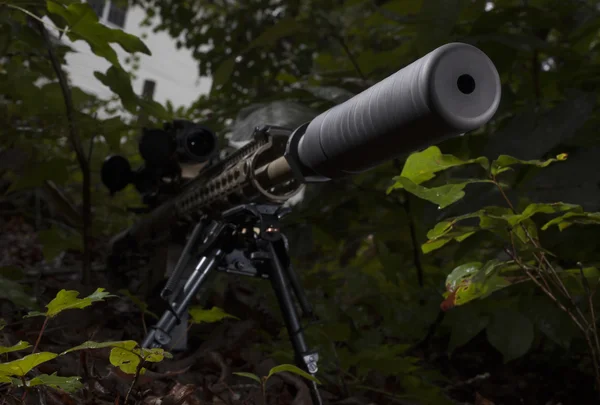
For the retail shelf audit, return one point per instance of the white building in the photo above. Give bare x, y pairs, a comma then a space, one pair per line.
168, 74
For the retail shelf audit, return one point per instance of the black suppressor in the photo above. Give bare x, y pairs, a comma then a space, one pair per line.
452, 90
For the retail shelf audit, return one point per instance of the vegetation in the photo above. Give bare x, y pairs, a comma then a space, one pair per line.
466, 272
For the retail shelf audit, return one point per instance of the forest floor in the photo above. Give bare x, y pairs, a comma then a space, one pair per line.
204, 374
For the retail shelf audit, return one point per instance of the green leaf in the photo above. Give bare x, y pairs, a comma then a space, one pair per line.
153, 109
126, 359
84, 25
19, 346
21, 367
2, 323
5, 379
55, 241
249, 375
14, 292
474, 280
504, 162
68, 384
68, 300
442, 196
101, 345
422, 166
212, 315
467, 322
571, 218
154, 355
511, 333
119, 82
542, 208
292, 369
222, 73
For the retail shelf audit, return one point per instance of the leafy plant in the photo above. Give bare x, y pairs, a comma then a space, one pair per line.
516, 234
290, 368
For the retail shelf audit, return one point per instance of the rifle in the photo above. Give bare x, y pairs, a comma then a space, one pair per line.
237, 202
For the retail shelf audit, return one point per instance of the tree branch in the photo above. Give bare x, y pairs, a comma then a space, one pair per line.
79, 152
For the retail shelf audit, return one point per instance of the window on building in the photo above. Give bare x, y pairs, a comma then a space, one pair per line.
98, 7
148, 89
117, 13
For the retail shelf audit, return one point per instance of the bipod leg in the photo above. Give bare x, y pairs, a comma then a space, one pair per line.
297, 288
305, 359
161, 334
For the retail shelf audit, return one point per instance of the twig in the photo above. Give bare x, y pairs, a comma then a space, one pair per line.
39, 338
135, 380
81, 158
350, 55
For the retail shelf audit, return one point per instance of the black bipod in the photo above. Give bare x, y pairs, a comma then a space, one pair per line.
232, 245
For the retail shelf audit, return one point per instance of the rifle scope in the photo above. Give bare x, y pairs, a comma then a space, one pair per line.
452, 90
189, 142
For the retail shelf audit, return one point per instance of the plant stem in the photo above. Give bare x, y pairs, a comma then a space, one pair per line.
81, 157
39, 338
135, 379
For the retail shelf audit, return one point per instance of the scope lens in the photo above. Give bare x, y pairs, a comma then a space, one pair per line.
200, 144
116, 173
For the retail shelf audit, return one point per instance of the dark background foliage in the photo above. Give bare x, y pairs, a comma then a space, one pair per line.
382, 337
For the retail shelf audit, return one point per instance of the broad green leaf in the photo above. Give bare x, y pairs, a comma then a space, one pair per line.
504, 162
460, 273
68, 384
290, 368
249, 375
68, 300
222, 73
215, 314
154, 109
571, 218
442, 196
542, 208
472, 281
5, 379
511, 333
14, 292
20, 367
14, 348
467, 322
458, 234
125, 359
119, 82
154, 355
422, 166
101, 345
55, 241
84, 25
